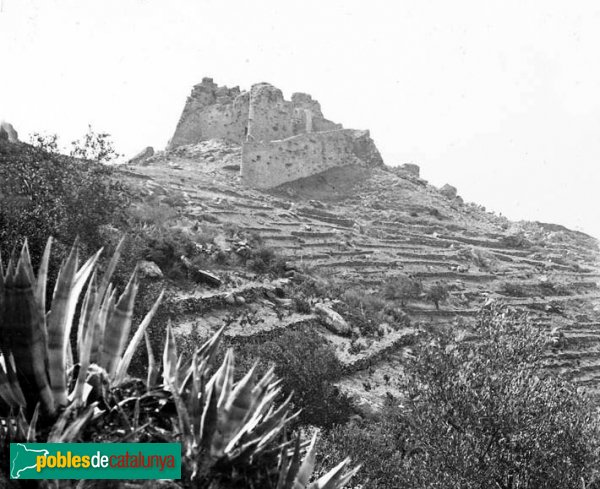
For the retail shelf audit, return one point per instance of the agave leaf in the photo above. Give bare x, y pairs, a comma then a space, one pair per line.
306, 469
208, 423
60, 319
84, 365
13, 381
32, 428
209, 349
259, 424
152, 368
184, 418
197, 392
225, 380
3, 333
293, 466
117, 330
42, 278
222, 385
100, 325
239, 405
27, 337
124, 362
24, 263
170, 359
6, 391
112, 265
67, 430
335, 478
85, 315
136, 414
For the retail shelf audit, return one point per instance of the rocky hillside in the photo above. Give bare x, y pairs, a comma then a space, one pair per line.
361, 229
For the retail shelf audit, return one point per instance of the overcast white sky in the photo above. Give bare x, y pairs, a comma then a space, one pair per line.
499, 98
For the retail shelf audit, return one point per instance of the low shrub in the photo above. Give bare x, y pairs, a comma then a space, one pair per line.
478, 414
402, 288
513, 289
437, 293
263, 260
308, 367
44, 193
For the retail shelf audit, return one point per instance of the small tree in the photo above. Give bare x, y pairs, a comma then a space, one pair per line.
402, 288
45, 142
437, 293
94, 146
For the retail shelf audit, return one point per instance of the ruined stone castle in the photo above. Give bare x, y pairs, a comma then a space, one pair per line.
281, 140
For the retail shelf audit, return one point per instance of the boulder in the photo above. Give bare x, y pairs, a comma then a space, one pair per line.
149, 269
332, 320
411, 169
199, 275
8, 133
448, 191
143, 155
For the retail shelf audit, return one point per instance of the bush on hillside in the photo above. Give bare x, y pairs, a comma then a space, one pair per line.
43, 194
308, 367
478, 413
402, 288
437, 293
95, 147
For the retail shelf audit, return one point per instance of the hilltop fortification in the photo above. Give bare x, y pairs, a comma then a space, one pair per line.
281, 140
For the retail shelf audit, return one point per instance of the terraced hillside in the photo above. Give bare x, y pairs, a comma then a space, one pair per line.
362, 228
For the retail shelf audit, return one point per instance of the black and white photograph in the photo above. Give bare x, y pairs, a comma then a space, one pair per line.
299, 245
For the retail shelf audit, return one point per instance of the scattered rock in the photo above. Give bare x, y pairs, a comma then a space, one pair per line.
448, 191
332, 320
143, 155
411, 169
149, 269
231, 167
199, 275
8, 133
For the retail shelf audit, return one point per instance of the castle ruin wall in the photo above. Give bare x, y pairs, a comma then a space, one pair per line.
267, 164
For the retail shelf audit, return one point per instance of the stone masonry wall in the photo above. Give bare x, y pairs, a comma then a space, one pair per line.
262, 114
212, 112
270, 116
267, 164
281, 140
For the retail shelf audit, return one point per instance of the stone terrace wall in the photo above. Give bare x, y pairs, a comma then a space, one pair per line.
267, 164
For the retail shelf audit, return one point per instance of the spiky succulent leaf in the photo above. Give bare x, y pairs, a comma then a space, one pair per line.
125, 360
117, 329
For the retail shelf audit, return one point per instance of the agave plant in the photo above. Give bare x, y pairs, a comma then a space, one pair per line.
221, 423
37, 373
